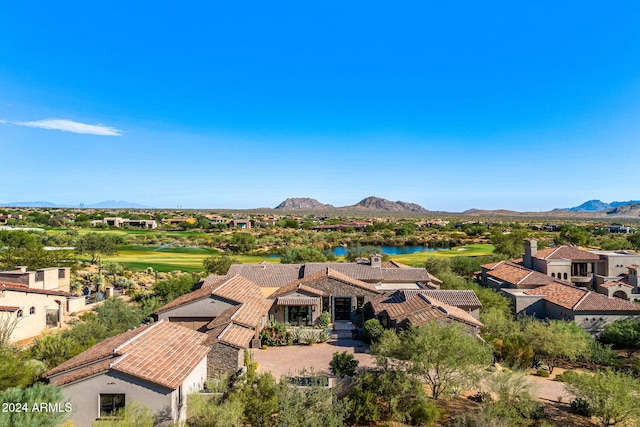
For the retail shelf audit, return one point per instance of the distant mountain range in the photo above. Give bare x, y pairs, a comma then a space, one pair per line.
598, 205
107, 204
370, 204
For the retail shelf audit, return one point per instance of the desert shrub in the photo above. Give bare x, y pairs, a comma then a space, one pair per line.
373, 329
276, 334
542, 373
424, 412
581, 407
364, 406
324, 336
324, 320
343, 364
566, 376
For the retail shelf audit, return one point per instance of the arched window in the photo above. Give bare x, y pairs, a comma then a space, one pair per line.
553, 274
32, 311
565, 276
19, 313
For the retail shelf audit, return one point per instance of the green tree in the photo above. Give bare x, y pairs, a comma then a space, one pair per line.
514, 397
218, 264
98, 245
624, 333
17, 369
509, 244
355, 252
259, 397
311, 407
118, 316
634, 239
242, 242
302, 255
445, 355
437, 265
556, 340
174, 286
343, 364
35, 395
215, 413
612, 396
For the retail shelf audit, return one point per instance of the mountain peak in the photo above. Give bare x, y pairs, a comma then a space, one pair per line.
302, 203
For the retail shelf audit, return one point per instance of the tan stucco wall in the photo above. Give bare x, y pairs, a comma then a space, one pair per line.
30, 325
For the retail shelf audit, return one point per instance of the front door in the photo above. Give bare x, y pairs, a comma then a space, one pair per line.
342, 308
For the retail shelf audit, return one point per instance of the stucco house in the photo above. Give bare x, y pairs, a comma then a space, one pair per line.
231, 311
36, 301
156, 365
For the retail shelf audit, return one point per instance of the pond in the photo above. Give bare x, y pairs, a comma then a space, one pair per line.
392, 250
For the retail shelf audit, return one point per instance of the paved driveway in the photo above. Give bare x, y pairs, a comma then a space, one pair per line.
290, 360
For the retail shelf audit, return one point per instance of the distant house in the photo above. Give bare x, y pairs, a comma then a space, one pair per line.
121, 222
242, 224
37, 300
156, 365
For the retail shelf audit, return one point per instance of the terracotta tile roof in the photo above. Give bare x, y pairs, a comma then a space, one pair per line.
8, 308
615, 283
104, 349
238, 289
267, 275
581, 300
405, 275
594, 301
517, 275
163, 353
294, 287
299, 301
458, 298
250, 313
236, 335
418, 309
201, 293
491, 265
25, 288
561, 294
566, 252
235, 288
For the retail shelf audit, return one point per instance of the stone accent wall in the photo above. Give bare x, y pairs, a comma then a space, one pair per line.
224, 359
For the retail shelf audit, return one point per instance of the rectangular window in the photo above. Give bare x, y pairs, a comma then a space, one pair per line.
110, 403
325, 304
61, 273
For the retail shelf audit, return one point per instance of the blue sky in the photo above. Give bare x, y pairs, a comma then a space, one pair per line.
243, 104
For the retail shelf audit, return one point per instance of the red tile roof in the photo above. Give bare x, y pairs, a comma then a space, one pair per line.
337, 275
581, 300
8, 308
163, 353
566, 252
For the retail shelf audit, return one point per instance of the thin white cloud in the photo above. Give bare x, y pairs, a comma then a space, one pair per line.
71, 126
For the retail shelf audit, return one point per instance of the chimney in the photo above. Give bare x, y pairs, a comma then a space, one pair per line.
530, 250
633, 277
376, 260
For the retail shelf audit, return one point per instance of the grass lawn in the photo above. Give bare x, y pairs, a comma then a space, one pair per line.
167, 258
170, 259
417, 259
